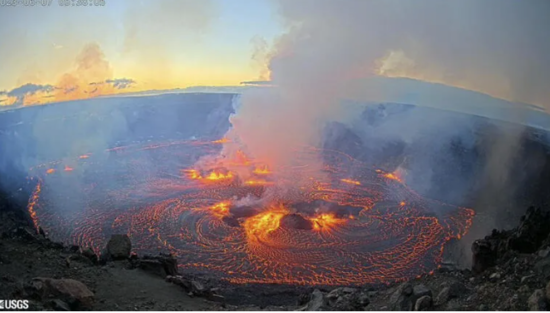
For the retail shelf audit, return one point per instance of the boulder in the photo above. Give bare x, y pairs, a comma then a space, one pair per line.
119, 247
423, 303
483, 255
452, 291
317, 301
195, 287
531, 235
69, 291
536, 301
402, 298
347, 299
421, 290
162, 265
90, 254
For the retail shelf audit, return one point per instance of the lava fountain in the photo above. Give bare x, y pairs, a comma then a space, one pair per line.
362, 226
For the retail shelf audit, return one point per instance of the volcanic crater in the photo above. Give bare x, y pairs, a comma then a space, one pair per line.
360, 225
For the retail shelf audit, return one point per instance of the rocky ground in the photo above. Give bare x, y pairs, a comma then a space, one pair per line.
511, 271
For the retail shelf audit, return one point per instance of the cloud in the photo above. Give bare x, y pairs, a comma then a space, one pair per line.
496, 47
257, 82
119, 83
29, 89
21, 93
91, 76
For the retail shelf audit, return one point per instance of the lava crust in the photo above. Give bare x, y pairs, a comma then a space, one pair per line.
362, 226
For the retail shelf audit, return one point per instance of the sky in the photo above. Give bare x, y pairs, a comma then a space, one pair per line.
55, 53
156, 44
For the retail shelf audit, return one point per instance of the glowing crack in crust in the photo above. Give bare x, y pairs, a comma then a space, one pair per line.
365, 226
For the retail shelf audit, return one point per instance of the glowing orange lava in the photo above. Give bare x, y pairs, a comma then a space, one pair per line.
68, 168
261, 170
350, 181
258, 227
325, 220
393, 177
84, 156
193, 174
257, 182
50, 171
33, 201
223, 140
218, 223
219, 176
212, 176
221, 209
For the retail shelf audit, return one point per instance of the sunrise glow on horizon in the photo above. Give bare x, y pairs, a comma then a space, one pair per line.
54, 53
128, 46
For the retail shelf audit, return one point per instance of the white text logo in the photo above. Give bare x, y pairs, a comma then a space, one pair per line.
14, 304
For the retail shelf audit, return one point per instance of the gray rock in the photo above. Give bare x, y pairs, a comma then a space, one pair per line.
524, 279
423, 303
494, 276
482, 307
119, 247
536, 301
339, 292
548, 291
453, 305
421, 290
347, 299
90, 254
542, 268
197, 288
401, 299
71, 291
316, 302
454, 290
544, 252
162, 265
524, 289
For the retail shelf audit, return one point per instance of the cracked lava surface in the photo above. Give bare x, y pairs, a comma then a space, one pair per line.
363, 226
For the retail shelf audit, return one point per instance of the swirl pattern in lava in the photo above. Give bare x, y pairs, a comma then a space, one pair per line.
364, 226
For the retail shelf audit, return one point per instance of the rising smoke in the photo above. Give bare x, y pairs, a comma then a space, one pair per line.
330, 46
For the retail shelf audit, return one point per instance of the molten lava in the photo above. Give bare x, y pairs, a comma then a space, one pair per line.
317, 233
262, 170
350, 181
219, 176
393, 177
223, 140
258, 227
220, 209
325, 220
212, 176
257, 182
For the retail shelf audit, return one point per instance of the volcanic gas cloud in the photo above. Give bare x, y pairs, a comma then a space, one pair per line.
234, 220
